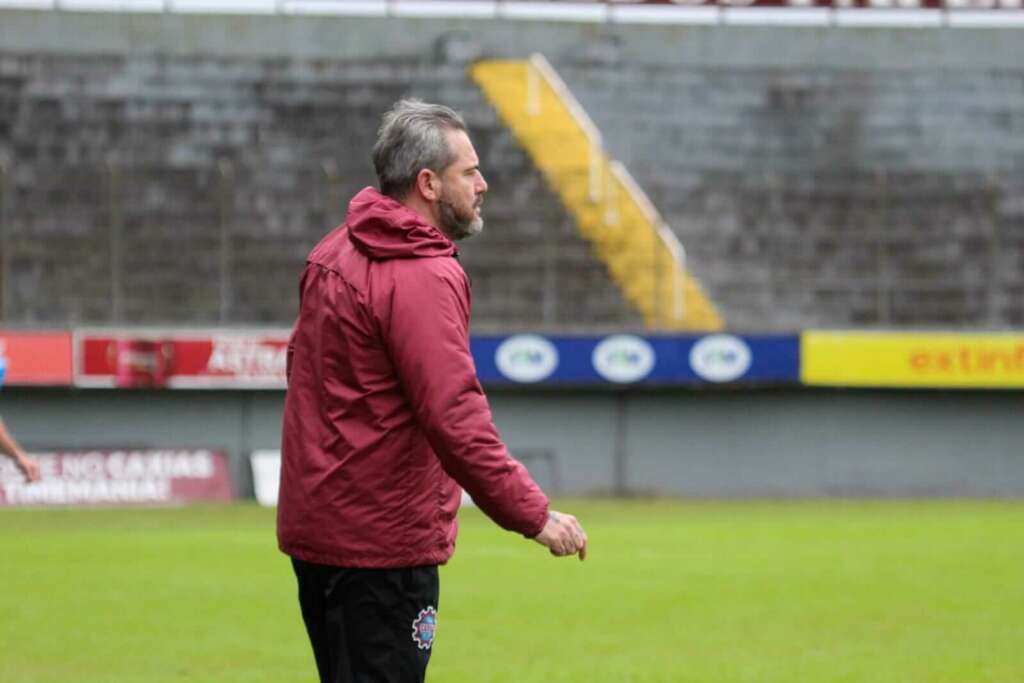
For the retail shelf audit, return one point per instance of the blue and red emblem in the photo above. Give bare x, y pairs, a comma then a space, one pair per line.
423, 628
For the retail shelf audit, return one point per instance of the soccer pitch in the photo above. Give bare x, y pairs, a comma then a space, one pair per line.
801, 592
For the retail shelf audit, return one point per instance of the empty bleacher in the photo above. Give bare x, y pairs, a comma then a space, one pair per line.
816, 177
827, 194
187, 190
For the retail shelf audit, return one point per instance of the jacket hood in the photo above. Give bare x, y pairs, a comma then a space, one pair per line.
383, 228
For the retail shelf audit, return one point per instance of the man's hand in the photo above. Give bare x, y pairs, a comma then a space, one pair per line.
28, 467
563, 535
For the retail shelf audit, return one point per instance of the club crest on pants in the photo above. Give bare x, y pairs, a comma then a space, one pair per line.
423, 628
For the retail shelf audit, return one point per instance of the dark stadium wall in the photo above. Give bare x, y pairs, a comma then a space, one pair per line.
791, 443
772, 443
854, 177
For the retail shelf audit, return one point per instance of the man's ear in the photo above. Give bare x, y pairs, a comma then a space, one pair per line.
428, 185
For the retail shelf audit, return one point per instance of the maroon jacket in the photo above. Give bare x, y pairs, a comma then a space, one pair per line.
384, 413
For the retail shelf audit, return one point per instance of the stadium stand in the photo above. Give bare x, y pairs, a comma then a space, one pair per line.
862, 178
830, 195
187, 190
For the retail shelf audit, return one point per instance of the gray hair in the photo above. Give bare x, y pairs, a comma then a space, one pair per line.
412, 138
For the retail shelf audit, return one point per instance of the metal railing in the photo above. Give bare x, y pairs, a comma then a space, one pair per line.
668, 238
541, 69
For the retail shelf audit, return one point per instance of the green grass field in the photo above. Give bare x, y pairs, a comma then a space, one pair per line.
711, 592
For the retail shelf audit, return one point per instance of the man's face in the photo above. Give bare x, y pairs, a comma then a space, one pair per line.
462, 190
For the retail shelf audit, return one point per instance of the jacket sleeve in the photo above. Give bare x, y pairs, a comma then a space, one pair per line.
427, 334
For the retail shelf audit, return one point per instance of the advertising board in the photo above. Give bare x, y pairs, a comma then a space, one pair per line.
35, 358
908, 360
184, 360
111, 477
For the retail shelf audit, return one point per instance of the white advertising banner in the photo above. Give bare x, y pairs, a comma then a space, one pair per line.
266, 475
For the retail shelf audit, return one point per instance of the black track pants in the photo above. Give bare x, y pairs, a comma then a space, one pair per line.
369, 625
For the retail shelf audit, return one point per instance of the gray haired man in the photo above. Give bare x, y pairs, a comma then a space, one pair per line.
385, 420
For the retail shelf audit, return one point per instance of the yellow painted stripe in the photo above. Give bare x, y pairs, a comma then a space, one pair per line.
650, 278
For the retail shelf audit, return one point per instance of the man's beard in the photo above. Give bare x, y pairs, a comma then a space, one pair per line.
457, 224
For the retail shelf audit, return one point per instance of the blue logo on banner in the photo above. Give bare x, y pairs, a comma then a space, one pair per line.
720, 358
623, 358
526, 358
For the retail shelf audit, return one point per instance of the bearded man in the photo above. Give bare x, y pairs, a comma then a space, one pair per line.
385, 421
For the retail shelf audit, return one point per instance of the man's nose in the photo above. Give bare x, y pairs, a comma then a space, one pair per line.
482, 185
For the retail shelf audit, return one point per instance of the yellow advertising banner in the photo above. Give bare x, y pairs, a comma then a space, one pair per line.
892, 359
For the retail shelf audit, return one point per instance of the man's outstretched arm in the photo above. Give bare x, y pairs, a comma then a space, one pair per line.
428, 340
10, 448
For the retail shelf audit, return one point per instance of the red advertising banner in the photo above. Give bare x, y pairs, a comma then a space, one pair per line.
205, 360
150, 476
36, 358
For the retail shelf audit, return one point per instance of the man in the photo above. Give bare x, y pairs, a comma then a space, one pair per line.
10, 448
385, 419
